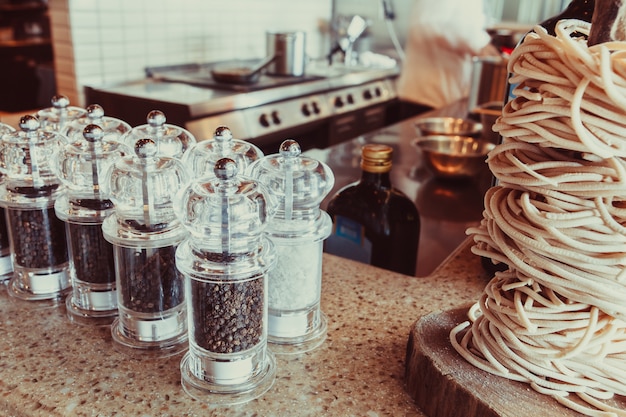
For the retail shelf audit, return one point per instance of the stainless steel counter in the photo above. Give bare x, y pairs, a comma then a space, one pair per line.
201, 101
326, 105
447, 208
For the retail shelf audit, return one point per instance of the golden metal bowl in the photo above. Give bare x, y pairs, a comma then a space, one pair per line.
453, 156
447, 126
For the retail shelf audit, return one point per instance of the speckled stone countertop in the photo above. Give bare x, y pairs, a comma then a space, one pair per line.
51, 367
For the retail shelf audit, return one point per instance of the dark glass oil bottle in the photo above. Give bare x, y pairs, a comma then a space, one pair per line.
372, 221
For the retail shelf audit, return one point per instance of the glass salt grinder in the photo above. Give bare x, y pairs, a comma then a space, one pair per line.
80, 165
171, 140
37, 237
6, 262
145, 233
112, 128
201, 157
225, 261
58, 116
298, 230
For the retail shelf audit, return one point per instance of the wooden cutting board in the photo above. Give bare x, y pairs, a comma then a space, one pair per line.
443, 384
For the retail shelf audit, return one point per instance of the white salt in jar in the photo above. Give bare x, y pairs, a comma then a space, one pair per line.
298, 230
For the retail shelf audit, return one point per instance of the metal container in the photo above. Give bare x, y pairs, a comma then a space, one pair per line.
489, 77
447, 126
489, 114
289, 52
454, 156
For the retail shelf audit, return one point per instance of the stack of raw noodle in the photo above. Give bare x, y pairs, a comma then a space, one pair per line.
556, 318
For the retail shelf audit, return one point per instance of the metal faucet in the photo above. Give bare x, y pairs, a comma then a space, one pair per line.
355, 29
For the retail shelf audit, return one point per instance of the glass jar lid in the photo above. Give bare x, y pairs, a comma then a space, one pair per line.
57, 117
171, 140
81, 164
299, 183
143, 185
5, 128
25, 158
113, 128
201, 157
225, 213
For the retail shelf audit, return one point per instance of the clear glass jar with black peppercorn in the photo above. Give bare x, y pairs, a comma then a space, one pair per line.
225, 262
145, 233
81, 165
6, 263
36, 235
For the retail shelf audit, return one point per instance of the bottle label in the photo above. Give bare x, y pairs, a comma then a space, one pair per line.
348, 240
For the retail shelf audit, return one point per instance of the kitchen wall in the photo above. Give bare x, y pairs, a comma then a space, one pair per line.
380, 33
98, 42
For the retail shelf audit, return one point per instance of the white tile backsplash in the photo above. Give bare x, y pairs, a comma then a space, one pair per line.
114, 40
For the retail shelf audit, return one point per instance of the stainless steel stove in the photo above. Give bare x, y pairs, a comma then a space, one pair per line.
327, 105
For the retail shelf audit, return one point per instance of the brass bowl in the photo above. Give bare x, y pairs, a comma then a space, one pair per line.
447, 126
453, 156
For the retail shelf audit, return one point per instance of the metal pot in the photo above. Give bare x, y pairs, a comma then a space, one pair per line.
289, 52
488, 85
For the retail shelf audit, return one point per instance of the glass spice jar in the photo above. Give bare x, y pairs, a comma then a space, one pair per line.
81, 165
202, 156
6, 262
171, 140
58, 116
298, 230
112, 128
37, 237
225, 261
145, 233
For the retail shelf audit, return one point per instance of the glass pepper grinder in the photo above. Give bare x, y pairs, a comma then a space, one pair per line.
225, 261
112, 128
171, 140
36, 235
6, 262
202, 156
145, 233
58, 116
81, 165
298, 230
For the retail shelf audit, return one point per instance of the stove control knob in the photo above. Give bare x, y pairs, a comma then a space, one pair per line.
305, 110
316, 108
263, 120
367, 94
378, 92
350, 99
276, 118
338, 102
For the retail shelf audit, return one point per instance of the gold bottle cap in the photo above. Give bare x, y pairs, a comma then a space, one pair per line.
376, 158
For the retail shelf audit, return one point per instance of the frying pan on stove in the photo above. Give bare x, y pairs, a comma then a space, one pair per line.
239, 73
